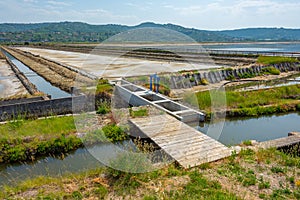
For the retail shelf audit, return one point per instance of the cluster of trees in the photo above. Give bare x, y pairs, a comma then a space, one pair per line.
82, 32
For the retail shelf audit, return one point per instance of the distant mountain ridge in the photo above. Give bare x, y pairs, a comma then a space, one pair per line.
83, 32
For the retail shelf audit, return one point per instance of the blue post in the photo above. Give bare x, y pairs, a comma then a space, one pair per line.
150, 82
157, 84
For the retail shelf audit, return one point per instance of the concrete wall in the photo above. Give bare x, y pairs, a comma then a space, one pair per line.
184, 81
20, 101
47, 107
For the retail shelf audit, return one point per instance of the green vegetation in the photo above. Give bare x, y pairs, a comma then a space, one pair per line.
22, 140
230, 78
204, 81
270, 70
103, 86
68, 32
142, 112
276, 169
244, 75
19, 129
263, 184
114, 133
163, 89
253, 103
246, 174
247, 142
192, 79
270, 60
103, 107
108, 133
83, 33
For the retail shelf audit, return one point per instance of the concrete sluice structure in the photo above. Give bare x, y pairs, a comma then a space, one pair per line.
138, 96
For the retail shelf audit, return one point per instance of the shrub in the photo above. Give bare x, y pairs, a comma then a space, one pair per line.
138, 113
230, 78
103, 108
247, 142
270, 70
277, 170
114, 133
204, 82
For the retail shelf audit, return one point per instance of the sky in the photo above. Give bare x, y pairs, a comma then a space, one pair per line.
208, 15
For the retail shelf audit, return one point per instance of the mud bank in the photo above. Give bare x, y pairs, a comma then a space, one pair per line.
11, 86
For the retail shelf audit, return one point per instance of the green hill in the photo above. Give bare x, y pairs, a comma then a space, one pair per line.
83, 32
265, 34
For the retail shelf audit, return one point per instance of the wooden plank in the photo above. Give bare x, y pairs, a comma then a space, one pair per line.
200, 154
211, 158
164, 131
192, 150
177, 139
281, 142
182, 143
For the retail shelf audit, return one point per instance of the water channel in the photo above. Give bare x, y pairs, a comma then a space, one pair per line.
41, 84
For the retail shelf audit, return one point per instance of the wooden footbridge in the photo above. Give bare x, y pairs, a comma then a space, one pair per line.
188, 146
185, 144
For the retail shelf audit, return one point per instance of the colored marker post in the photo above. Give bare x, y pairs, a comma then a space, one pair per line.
157, 84
151, 82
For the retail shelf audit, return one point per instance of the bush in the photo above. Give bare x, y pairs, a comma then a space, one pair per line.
103, 108
204, 82
138, 113
270, 70
230, 78
192, 79
114, 133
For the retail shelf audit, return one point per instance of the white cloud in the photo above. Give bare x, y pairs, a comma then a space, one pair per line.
215, 14
58, 3
142, 7
30, 1
239, 13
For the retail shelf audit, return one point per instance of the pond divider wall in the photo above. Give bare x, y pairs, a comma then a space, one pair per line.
189, 80
50, 107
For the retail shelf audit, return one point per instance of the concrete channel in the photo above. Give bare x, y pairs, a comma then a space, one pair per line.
139, 96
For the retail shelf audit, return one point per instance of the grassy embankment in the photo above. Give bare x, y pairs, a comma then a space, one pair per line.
264, 174
252, 103
270, 60
23, 140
